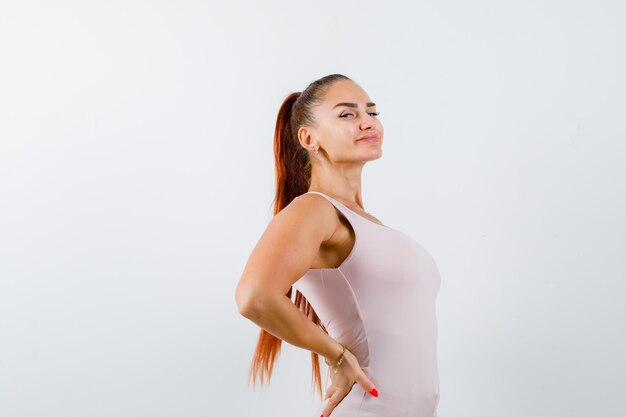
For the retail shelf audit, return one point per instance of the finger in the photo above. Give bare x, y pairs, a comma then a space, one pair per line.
332, 402
367, 385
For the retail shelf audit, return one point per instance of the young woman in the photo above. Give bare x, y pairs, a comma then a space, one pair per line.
365, 292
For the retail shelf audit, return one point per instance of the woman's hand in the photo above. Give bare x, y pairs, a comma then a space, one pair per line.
348, 373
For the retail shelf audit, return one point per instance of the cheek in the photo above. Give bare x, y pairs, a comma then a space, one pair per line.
340, 131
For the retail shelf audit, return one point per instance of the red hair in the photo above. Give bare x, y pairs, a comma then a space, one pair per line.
293, 178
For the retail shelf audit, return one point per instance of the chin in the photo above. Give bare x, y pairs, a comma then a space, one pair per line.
376, 156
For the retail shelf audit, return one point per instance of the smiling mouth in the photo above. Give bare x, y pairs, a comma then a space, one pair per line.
369, 139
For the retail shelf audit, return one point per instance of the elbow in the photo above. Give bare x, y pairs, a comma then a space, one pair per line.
246, 301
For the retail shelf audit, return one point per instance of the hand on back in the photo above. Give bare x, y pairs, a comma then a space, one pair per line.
348, 374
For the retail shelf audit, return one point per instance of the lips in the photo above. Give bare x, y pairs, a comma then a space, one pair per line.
371, 136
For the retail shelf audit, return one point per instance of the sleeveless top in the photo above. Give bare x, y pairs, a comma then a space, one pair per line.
380, 303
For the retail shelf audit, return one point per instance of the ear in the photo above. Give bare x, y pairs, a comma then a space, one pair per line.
306, 136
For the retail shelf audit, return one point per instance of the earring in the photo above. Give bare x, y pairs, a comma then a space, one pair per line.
316, 152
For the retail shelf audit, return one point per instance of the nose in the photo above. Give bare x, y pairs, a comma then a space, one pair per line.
368, 122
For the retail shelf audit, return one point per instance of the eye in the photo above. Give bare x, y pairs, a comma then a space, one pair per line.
373, 114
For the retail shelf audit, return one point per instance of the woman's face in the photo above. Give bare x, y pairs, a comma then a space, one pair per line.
347, 115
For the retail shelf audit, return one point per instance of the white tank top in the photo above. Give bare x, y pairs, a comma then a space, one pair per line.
380, 303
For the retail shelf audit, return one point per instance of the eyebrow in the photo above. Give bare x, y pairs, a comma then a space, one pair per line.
370, 104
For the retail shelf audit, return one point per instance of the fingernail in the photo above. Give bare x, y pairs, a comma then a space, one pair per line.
322, 415
374, 392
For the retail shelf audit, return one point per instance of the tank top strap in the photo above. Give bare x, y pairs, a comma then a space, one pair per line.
354, 220
340, 206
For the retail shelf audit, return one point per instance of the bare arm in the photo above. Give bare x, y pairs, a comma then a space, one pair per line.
283, 254
280, 317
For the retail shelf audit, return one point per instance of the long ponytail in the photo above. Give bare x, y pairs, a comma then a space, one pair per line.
293, 178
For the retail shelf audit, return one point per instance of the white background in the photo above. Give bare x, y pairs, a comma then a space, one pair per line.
137, 173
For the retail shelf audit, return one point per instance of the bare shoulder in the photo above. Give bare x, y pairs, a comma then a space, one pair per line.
287, 248
311, 211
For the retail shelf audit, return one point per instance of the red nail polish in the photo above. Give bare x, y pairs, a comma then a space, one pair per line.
374, 392
322, 415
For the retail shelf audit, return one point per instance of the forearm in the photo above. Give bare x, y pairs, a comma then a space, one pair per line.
279, 316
